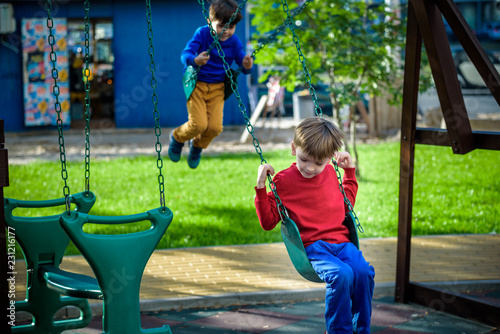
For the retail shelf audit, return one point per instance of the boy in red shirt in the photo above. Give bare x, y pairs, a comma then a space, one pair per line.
309, 189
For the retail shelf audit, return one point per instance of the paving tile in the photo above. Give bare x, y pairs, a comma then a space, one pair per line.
184, 316
310, 309
385, 315
309, 325
440, 322
95, 326
249, 320
391, 330
189, 328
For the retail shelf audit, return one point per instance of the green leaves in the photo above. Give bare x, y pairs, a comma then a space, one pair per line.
352, 43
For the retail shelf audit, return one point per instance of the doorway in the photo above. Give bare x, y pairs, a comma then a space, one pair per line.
101, 72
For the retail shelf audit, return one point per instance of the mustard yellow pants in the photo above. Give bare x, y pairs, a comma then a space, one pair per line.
205, 110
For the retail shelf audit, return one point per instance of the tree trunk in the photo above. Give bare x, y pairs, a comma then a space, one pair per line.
354, 154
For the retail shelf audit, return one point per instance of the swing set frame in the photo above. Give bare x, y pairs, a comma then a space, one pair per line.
425, 24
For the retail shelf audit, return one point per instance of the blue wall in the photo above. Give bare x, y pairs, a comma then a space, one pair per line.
174, 23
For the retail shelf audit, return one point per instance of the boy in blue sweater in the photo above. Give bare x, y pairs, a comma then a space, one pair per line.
206, 103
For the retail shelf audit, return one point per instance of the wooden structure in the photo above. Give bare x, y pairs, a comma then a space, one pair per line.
425, 24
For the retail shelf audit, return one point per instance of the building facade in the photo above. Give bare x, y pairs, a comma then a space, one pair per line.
120, 79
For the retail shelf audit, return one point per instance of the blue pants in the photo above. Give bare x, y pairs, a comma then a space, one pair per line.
349, 285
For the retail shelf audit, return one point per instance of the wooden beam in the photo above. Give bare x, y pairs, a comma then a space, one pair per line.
455, 303
471, 46
439, 137
445, 75
407, 155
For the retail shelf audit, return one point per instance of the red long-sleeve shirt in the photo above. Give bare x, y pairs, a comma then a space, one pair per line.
316, 205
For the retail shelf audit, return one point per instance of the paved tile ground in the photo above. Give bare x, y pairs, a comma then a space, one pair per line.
208, 271
183, 287
305, 317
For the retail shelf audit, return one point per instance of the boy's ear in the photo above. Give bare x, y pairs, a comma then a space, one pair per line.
294, 152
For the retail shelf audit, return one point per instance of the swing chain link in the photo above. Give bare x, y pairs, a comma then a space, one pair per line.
216, 36
57, 105
154, 83
86, 75
302, 59
281, 208
346, 200
279, 29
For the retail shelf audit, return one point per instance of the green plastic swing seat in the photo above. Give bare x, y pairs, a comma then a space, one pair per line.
118, 262
296, 251
189, 81
190, 77
43, 242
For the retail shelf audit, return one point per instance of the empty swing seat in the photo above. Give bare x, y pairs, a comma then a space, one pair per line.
118, 262
71, 284
43, 242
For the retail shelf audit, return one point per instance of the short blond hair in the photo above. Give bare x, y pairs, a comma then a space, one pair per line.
318, 137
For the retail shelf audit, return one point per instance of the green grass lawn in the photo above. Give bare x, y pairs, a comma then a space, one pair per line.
213, 205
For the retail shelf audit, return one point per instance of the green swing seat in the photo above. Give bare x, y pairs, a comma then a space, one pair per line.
190, 77
118, 262
189, 81
43, 242
296, 251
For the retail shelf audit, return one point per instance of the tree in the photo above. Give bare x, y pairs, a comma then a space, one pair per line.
352, 46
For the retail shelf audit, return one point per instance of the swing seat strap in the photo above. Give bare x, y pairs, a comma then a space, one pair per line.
189, 80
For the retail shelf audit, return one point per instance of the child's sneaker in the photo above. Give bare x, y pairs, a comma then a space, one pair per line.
174, 149
194, 155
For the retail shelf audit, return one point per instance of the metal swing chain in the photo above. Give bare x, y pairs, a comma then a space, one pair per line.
275, 33
302, 59
212, 32
57, 105
154, 84
279, 29
86, 75
318, 109
281, 208
346, 200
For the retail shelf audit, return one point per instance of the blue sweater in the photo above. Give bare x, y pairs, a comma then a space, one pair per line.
213, 70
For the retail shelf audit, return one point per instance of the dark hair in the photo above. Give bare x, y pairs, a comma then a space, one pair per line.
319, 137
222, 10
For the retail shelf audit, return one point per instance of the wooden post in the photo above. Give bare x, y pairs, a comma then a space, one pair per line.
4, 182
407, 154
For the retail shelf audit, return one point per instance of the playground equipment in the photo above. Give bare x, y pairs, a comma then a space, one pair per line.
118, 261
425, 24
289, 231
